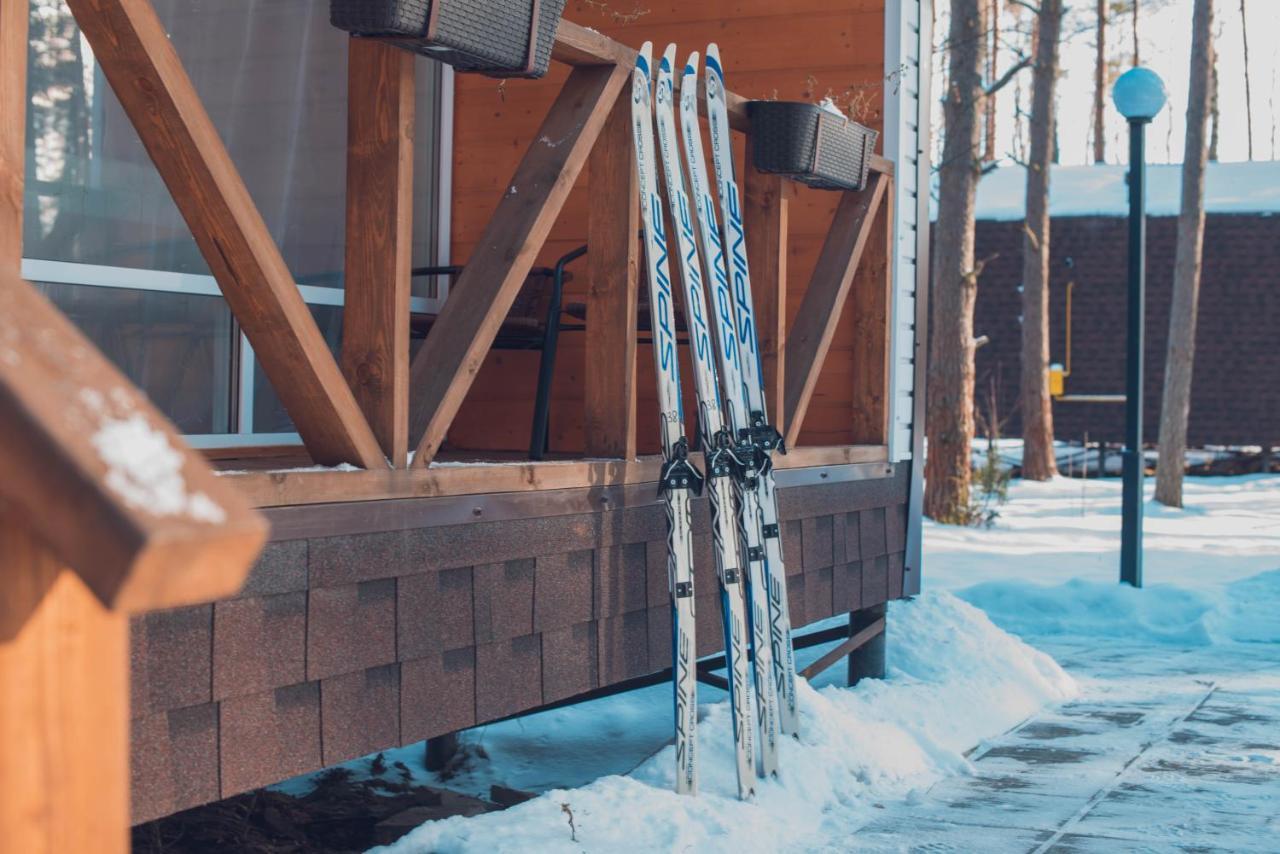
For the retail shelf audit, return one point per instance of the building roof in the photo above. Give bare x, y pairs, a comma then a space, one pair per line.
1101, 190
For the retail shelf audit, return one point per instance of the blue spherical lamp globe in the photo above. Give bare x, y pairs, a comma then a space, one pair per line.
1139, 94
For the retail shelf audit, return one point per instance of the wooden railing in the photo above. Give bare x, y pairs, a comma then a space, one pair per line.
107, 512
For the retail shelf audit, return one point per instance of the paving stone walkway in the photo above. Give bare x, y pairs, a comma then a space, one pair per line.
1166, 750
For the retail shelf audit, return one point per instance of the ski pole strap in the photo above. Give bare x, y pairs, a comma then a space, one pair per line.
678, 472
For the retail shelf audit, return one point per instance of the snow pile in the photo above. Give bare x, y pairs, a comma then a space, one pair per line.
1050, 565
954, 679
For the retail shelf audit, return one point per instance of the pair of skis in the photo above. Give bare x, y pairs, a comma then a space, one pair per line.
737, 440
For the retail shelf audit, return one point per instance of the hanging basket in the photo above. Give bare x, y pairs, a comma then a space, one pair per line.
809, 144
500, 38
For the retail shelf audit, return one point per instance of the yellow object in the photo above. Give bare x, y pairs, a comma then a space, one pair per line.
1057, 380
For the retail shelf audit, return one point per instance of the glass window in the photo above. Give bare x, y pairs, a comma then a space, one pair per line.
268, 413
175, 347
272, 75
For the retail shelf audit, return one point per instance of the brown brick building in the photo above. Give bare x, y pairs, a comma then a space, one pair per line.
1236, 384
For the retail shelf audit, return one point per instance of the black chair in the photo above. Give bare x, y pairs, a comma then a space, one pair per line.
533, 323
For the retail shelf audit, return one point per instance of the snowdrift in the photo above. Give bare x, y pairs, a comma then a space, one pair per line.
954, 679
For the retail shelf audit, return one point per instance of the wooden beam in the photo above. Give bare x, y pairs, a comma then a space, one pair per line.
284, 487
810, 336
103, 479
375, 319
872, 300
578, 45
764, 217
64, 707
843, 649
445, 367
144, 71
13, 124
613, 263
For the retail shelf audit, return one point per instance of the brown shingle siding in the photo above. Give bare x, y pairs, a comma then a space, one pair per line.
173, 761
351, 627
259, 643
360, 713
621, 579
434, 612
508, 677
269, 736
437, 694
504, 600
569, 658
563, 590
171, 659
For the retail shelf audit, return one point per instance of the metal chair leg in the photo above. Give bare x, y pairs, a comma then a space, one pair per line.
547, 360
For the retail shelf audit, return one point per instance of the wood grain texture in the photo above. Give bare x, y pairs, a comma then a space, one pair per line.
105, 481
144, 71
445, 367
375, 320
764, 217
13, 113
577, 45
810, 337
872, 302
64, 708
280, 488
609, 398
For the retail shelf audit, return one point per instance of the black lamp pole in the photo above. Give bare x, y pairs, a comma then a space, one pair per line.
1134, 464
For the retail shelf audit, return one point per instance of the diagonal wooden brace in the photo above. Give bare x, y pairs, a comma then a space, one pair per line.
445, 367
144, 71
819, 313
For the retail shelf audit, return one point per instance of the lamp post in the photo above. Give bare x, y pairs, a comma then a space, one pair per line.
1139, 95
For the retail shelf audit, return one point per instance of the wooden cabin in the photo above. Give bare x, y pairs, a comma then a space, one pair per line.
331, 265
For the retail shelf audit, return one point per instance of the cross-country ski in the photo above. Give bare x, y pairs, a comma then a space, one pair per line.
757, 428
735, 407
717, 441
679, 479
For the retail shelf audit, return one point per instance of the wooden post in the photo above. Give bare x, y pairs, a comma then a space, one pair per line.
872, 300
764, 217
609, 397
64, 707
375, 320
834, 276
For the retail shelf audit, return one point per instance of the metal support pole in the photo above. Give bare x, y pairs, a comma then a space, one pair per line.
1134, 465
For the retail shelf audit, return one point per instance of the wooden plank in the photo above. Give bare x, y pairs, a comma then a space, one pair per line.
64, 707
810, 336
139, 61
577, 45
375, 320
104, 480
872, 308
446, 365
285, 487
613, 262
764, 217
843, 649
13, 123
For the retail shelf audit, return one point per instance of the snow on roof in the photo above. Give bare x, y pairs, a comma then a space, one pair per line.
1101, 190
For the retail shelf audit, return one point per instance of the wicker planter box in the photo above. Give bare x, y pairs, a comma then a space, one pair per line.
810, 145
500, 38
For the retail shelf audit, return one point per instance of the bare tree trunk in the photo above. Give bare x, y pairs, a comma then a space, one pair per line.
1037, 405
949, 421
1215, 117
1100, 88
1248, 95
993, 56
1176, 403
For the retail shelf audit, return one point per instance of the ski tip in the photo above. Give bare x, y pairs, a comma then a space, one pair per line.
713, 60
691, 65
669, 58
643, 59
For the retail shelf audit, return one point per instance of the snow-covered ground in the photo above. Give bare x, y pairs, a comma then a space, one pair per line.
965, 664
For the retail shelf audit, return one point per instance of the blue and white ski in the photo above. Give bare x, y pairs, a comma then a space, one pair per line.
757, 428
717, 441
679, 478
735, 408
